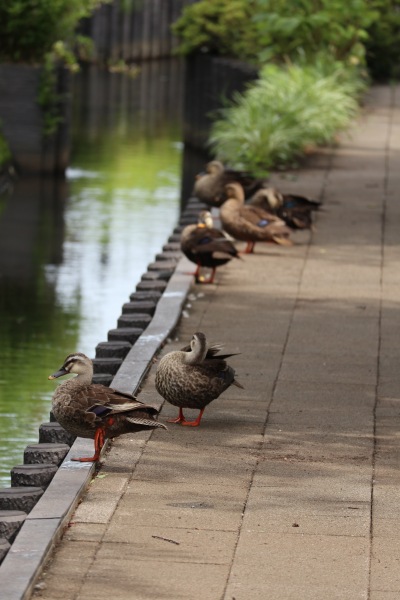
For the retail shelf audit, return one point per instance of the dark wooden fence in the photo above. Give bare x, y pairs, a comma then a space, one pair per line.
139, 31
22, 122
210, 81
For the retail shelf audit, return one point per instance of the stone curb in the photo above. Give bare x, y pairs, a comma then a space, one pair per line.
45, 523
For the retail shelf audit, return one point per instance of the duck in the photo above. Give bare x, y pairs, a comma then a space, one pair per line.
251, 224
209, 186
296, 211
194, 376
206, 246
92, 410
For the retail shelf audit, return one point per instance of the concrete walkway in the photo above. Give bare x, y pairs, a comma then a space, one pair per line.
289, 490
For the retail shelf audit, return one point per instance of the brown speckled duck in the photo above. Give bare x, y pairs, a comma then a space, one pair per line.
209, 187
251, 224
296, 211
206, 246
194, 376
96, 411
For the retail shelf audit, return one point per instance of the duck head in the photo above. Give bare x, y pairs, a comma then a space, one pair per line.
215, 167
234, 191
205, 219
273, 198
77, 363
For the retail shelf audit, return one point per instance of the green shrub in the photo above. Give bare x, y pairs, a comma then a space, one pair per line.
302, 28
277, 30
29, 29
284, 113
220, 27
383, 43
5, 154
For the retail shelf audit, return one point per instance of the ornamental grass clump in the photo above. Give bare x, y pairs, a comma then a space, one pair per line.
283, 114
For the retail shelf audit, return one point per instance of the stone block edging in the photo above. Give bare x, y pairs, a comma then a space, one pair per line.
45, 523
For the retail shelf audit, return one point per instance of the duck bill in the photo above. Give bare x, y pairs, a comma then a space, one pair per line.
58, 373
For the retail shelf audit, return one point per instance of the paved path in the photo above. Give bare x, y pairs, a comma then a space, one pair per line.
289, 490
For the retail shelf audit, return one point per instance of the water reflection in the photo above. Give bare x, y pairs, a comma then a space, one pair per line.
71, 251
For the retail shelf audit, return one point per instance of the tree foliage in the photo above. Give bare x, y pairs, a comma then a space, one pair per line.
278, 31
29, 29
383, 43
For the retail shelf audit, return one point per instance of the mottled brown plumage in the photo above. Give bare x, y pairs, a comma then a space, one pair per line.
194, 376
209, 187
251, 224
95, 411
206, 246
296, 211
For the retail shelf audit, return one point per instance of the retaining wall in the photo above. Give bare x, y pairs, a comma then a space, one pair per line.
47, 487
136, 33
210, 81
22, 119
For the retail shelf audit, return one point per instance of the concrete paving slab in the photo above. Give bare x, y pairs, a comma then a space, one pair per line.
383, 595
179, 460
289, 488
335, 396
385, 562
289, 565
329, 369
187, 505
165, 545
173, 582
84, 532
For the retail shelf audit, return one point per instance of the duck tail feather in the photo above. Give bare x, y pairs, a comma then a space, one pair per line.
146, 422
239, 385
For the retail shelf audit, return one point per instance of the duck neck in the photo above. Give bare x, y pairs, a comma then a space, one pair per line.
82, 379
272, 198
238, 198
196, 354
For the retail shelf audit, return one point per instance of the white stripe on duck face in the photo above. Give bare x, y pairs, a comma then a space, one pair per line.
73, 359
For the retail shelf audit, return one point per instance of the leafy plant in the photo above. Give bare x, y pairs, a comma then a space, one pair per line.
29, 29
383, 43
5, 153
277, 30
48, 98
285, 113
301, 28
218, 26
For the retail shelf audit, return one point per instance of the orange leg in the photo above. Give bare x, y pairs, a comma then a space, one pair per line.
249, 248
197, 273
179, 419
99, 438
195, 423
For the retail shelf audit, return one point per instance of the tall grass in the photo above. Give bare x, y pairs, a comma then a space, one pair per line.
284, 113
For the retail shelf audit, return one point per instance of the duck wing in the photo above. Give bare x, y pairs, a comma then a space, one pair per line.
249, 182
210, 188
133, 411
297, 211
257, 216
208, 241
212, 351
300, 202
216, 367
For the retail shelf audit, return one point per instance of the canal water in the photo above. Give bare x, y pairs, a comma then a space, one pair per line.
73, 249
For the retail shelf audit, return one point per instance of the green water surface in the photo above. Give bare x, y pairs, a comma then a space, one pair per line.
71, 251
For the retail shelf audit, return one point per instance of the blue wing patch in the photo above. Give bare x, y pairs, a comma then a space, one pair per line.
205, 240
263, 223
99, 410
